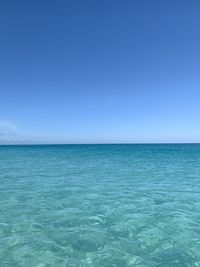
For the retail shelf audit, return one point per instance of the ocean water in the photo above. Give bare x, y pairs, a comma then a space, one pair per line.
100, 205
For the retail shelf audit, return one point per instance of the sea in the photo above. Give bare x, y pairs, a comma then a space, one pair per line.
114, 205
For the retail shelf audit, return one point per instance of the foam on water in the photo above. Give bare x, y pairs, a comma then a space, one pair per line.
100, 205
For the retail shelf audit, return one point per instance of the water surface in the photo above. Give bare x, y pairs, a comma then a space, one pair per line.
100, 205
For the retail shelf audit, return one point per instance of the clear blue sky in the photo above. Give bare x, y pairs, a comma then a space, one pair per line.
77, 71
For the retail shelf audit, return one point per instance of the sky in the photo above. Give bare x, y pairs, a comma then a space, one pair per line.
107, 71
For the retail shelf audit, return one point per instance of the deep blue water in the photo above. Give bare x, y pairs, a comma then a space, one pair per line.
100, 205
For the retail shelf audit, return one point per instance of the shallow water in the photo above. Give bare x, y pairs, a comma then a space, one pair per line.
100, 205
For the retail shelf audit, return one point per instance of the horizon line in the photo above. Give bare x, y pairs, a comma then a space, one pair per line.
114, 143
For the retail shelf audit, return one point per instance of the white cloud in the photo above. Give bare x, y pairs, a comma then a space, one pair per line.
8, 132
11, 134
5, 125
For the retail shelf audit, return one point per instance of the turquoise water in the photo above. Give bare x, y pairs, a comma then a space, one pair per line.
100, 205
